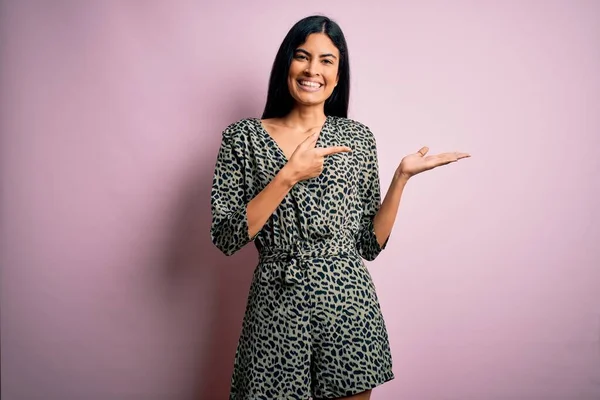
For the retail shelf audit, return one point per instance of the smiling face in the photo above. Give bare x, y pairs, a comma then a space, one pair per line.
313, 72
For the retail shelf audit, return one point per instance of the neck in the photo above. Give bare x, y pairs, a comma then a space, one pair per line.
305, 116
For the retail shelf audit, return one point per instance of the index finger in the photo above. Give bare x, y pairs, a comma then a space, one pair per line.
311, 140
333, 150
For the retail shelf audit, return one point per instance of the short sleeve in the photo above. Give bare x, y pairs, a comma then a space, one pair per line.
229, 227
370, 195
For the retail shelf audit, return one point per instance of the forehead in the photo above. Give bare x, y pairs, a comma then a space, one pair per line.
319, 43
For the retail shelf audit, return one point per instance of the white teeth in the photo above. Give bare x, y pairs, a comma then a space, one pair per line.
310, 84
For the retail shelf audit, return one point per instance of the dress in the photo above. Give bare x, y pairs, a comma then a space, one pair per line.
313, 324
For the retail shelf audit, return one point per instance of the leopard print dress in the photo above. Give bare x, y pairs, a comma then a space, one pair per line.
313, 325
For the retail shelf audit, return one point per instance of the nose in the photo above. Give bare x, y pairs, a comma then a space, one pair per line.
312, 68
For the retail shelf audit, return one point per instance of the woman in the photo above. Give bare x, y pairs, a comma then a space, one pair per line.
303, 184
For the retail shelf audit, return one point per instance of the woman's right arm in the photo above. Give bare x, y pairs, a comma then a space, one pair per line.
261, 207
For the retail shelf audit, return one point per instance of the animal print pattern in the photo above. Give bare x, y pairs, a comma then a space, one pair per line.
313, 324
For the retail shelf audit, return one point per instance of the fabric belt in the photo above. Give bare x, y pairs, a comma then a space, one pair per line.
291, 261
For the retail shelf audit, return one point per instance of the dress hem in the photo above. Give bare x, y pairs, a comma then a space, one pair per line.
359, 389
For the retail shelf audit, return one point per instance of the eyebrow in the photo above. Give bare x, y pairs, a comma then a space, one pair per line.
300, 50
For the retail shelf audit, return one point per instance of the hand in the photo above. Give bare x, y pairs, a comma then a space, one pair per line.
416, 163
307, 161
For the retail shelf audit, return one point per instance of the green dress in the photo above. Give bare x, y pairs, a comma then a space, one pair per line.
313, 325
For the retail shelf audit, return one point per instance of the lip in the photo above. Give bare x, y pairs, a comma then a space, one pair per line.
307, 88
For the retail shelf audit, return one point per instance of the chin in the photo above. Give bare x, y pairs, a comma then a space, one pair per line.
310, 99
309, 102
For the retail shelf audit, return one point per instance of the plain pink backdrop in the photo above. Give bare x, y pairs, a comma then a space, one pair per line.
111, 115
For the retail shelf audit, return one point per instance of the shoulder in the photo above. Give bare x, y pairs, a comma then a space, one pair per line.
235, 138
238, 130
353, 126
357, 130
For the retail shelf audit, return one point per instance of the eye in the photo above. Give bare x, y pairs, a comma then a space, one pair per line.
300, 57
326, 61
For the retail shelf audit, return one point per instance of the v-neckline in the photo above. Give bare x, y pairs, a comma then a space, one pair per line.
276, 145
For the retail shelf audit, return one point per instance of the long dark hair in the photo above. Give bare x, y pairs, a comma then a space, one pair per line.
279, 100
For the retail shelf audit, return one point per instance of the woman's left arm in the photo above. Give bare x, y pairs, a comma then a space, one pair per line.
386, 216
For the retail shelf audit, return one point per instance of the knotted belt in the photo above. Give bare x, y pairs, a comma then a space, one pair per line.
290, 262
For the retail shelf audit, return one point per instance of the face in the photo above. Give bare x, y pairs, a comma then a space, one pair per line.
314, 70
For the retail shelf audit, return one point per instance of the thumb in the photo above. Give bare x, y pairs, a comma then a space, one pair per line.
423, 151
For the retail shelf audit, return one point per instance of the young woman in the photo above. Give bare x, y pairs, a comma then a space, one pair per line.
302, 183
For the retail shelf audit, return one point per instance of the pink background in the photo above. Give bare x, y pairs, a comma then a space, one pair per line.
111, 114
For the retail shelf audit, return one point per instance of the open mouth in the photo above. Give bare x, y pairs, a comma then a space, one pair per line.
309, 85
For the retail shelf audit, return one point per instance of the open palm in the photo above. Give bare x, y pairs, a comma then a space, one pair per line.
418, 162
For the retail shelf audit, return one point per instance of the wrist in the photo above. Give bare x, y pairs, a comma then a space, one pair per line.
287, 176
401, 177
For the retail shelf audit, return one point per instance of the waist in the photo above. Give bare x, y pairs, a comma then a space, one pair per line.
308, 249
